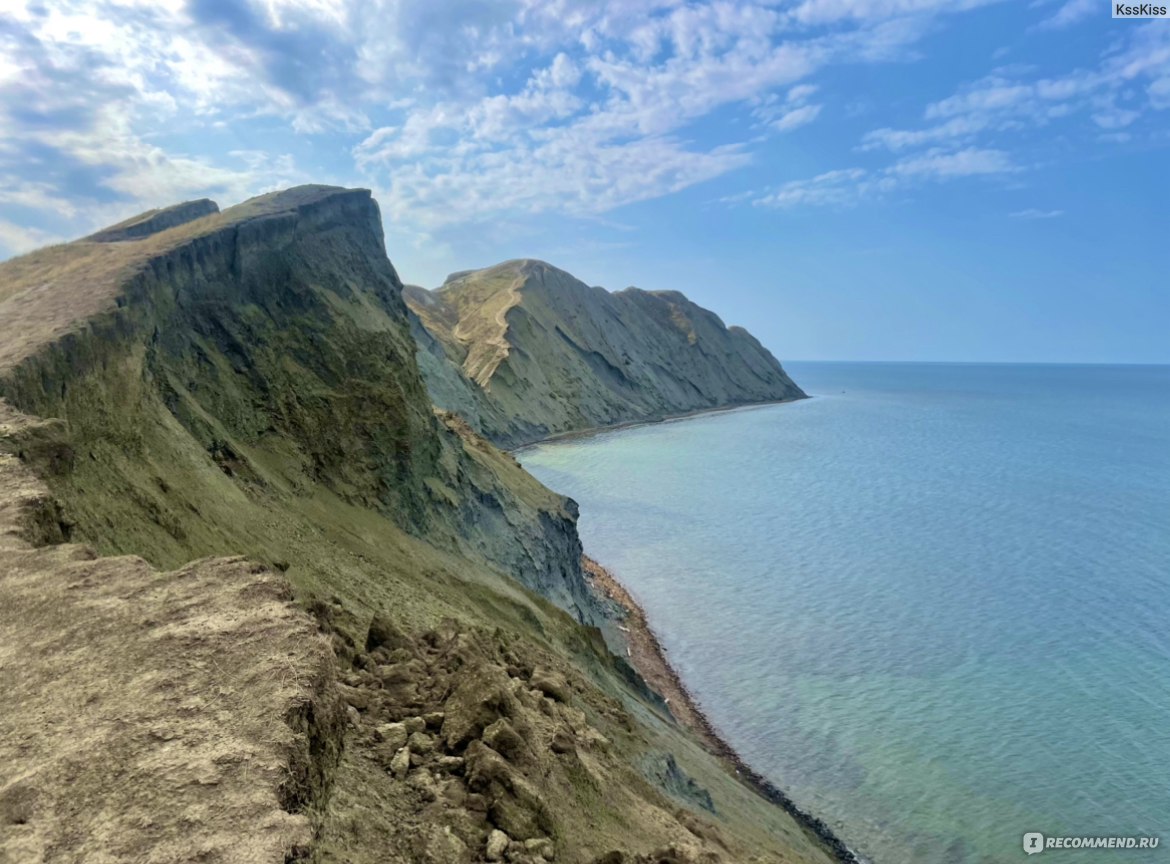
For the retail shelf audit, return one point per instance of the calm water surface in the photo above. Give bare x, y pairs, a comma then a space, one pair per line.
932, 603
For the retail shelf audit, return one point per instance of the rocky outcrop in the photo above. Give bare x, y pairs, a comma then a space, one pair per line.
525, 351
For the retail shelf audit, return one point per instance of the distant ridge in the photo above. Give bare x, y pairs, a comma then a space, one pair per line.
155, 221
525, 350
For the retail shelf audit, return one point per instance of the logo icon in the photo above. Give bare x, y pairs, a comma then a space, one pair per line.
1033, 842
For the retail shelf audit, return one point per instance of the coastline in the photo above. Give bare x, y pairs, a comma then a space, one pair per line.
648, 657
589, 432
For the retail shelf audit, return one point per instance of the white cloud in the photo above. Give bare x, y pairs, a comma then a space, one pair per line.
1073, 12
523, 106
587, 134
1159, 93
833, 188
1115, 118
850, 186
796, 118
955, 129
996, 112
1033, 213
801, 93
937, 164
827, 11
18, 239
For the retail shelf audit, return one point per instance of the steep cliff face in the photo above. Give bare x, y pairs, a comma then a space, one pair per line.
245, 384
531, 351
275, 336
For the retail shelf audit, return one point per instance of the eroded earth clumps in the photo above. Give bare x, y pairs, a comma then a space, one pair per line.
490, 750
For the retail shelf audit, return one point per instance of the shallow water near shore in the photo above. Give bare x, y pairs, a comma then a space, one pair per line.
931, 603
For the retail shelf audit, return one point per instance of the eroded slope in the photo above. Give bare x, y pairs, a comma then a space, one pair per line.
534, 352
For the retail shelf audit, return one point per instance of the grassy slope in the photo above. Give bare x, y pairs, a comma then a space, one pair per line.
242, 402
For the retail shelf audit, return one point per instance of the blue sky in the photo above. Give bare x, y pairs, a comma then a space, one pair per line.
850, 179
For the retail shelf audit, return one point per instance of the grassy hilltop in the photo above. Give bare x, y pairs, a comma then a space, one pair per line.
262, 602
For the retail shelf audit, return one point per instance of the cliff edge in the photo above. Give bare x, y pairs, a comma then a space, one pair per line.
266, 604
530, 351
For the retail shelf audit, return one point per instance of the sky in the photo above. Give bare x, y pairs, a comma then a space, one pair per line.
970, 180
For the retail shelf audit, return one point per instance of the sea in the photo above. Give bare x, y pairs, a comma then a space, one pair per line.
931, 602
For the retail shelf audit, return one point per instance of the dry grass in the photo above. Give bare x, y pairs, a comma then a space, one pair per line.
140, 708
53, 291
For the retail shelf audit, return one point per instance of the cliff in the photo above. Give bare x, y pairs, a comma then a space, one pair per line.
266, 604
525, 351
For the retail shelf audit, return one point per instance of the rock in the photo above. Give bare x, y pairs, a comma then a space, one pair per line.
421, 742
542, 847
393, 674
393, 735
425, 785
400, 681
526, 697
383, 633
356, 697
154, 221
497, 844
481, 698
614, 857
513, 816
595, 739
453, 793
505, 740
485, 766
663, 771
445, 847
453, 764
678, 854
414, 724
400, 764
434, 719
551, 684
562, 742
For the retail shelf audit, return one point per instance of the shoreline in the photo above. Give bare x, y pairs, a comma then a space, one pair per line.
649, 659
573, 434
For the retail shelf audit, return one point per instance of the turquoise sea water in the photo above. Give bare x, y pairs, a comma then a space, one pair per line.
932, 603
